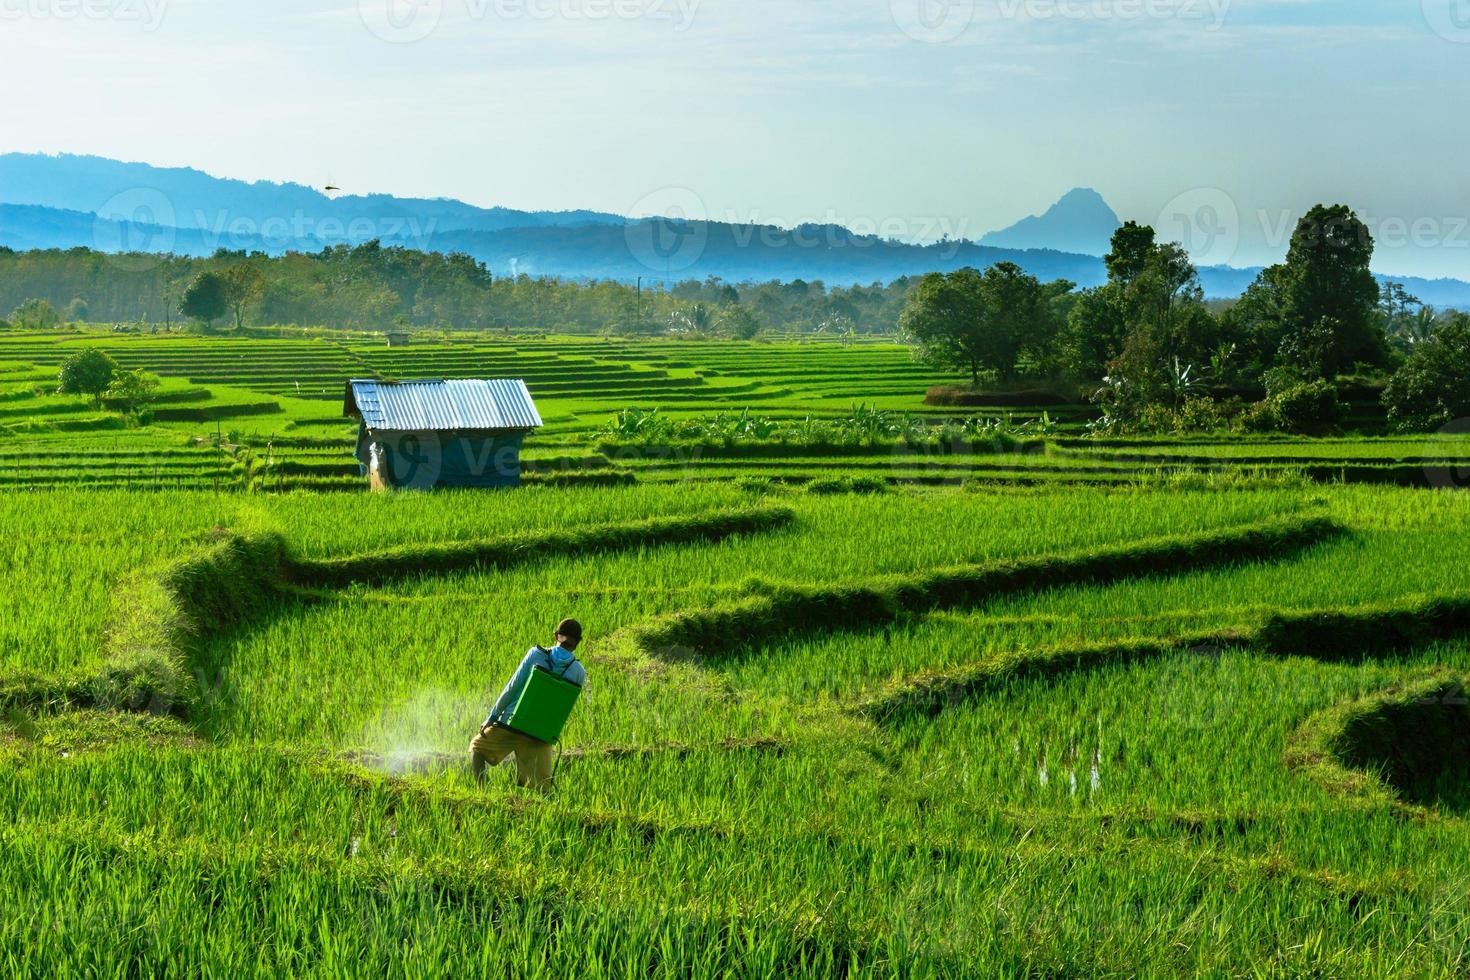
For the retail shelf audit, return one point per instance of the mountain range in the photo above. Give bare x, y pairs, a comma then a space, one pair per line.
68, 201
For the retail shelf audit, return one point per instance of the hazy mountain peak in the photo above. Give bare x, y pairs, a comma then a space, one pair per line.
1081, 221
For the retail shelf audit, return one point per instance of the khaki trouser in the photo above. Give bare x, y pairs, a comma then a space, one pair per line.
533, 757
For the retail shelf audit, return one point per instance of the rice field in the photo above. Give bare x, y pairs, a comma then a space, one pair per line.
1008, 714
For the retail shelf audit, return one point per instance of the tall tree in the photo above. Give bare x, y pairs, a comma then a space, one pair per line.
977, 322
205, 299
1328, 279
244, 285
1132, 246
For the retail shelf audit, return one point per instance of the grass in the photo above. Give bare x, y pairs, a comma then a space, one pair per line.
1187, 723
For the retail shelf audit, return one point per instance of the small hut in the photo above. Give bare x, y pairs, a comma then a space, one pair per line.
426, 434
397, 338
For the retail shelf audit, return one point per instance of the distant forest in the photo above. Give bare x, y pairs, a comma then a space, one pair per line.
373, 287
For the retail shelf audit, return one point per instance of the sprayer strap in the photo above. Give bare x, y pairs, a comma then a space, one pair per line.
551, 664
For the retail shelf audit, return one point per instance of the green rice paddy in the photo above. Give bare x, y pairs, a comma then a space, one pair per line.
1019, 714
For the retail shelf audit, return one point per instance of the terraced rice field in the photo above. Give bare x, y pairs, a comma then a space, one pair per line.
265, 414
1075, 709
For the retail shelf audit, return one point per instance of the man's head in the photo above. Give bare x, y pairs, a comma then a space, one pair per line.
568, 634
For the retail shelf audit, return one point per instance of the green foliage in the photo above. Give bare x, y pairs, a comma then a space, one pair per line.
1317, 312
88, 372
1328, 280
861, 427
979, 321
1133, 247
1432, 388
132, 391
244, 285
1304, 407
739, 323
206, 299
35, 314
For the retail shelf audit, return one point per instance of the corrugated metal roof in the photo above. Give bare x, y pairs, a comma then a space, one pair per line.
418, 406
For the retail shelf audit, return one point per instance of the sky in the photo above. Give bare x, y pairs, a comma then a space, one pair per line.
1218, 121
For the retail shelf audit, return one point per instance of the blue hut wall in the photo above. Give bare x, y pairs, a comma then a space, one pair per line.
424, 460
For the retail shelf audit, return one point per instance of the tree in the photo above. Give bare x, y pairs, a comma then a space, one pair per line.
132, 390
1132, 246
87, 372
1328, 278
695, 318
1170, 333
206, 299
35, 314
1094, 334
739, 322
244, 285
1432, 388
1259, 318
1143, 315
974, 321
76, 311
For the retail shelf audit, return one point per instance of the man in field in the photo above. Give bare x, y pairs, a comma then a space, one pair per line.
496, 741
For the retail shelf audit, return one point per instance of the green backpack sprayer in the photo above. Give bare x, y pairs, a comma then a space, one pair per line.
545, 704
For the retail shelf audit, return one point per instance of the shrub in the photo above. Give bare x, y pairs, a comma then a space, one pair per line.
1310, 407
1433, 386
1301, 407
132, 391
35, 314
88, 372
